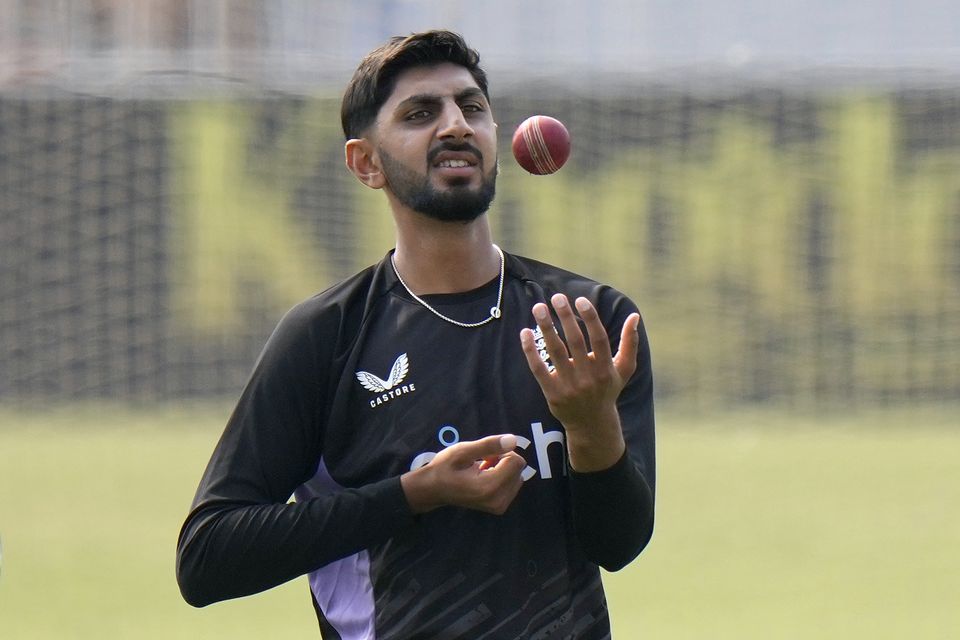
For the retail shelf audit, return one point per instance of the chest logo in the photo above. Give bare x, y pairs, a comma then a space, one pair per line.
392, 386
399, 371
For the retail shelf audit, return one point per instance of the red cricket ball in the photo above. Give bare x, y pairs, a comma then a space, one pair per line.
541, 145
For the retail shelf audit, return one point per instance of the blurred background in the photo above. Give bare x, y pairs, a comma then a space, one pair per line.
777, 185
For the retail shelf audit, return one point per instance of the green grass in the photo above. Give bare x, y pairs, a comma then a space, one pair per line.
769, 526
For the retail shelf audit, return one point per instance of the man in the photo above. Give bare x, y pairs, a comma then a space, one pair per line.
463, 459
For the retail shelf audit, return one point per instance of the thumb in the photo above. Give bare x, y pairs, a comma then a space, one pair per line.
625, 362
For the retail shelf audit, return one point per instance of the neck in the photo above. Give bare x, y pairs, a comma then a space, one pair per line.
445, 257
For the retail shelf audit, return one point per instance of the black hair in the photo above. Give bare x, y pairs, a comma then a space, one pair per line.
374, 79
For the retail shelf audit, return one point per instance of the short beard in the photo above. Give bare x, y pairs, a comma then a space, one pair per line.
457, 204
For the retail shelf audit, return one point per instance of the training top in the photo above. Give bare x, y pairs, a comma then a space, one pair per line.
361, 384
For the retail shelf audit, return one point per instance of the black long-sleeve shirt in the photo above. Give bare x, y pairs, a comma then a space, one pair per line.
360, 384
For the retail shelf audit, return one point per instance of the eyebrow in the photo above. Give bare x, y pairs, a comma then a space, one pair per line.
435, 98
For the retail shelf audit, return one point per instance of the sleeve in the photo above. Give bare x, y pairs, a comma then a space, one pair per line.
242, 536
613, 509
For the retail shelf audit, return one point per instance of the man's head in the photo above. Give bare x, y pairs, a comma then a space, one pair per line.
374, 79
419, 125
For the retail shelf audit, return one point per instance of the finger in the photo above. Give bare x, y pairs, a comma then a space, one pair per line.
555, 346
508, 463
505, 481
507, 471
599, 341
489, 462
571, 330
537, 366
487, 447
625, 362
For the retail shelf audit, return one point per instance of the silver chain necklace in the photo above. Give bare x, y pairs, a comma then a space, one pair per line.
494, 311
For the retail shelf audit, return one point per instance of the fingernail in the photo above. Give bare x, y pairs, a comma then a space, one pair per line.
559, 301
508, 442
582, 304
540, 312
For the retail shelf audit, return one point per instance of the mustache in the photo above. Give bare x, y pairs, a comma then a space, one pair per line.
454, 146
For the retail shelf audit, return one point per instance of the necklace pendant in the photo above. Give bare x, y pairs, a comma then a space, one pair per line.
494, 312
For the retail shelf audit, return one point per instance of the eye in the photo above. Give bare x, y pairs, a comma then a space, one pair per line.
472, 107
419, 114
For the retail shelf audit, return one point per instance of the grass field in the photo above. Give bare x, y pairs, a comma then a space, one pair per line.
769, 526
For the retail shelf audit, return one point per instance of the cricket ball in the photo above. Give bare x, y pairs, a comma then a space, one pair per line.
541, 145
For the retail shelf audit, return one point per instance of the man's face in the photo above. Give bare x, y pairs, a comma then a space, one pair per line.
436, 141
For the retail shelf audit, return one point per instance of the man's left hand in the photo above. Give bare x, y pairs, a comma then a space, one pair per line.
583, 387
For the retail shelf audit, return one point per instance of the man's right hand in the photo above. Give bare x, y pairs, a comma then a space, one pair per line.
483, 475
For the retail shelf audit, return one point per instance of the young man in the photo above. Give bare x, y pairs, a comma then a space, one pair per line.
463, 459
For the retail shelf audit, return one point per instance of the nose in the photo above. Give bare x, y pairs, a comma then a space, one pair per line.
453, 124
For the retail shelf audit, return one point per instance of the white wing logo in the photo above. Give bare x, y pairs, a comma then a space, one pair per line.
371, 382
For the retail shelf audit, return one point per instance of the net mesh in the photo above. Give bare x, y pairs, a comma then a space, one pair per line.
789, 245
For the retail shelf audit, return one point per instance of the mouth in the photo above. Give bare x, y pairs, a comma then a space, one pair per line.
461, 159
452, 163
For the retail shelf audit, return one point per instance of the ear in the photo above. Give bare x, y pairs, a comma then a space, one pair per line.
361, 159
